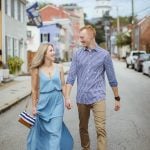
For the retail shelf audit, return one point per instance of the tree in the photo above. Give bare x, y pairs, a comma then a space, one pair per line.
123, 39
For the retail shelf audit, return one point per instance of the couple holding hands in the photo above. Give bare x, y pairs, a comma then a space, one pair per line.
50, 93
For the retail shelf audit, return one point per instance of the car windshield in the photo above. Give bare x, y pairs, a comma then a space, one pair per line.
137, 54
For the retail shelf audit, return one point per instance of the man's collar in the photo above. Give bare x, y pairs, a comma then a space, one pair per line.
97, 48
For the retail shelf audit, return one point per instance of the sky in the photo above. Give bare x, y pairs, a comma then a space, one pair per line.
141, 7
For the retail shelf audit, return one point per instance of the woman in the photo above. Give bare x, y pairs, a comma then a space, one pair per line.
48, 87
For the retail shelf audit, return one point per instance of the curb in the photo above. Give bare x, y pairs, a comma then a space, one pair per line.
7, 106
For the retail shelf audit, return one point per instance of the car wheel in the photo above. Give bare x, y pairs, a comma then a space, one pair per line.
138, 69
132, 66
127, 65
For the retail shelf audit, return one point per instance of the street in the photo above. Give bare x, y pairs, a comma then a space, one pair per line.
128, 129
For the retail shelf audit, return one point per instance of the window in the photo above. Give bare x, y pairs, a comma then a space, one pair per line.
8, 46
29, 34
24, 13
45, 37
6, 6
20, 46
19, 11
0, 4
16, 10
15, 47
13, 8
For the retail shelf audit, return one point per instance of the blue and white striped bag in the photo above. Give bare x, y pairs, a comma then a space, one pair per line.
26, 119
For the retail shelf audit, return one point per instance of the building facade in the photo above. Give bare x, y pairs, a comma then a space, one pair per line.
142, 34
102, 8
78, 11
33, 38
0, 32
14, 31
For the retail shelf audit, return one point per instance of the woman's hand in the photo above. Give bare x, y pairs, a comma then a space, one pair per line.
34, 111
68, 104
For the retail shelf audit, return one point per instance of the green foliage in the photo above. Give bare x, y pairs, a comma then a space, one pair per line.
123, 39
14, 64
124, 21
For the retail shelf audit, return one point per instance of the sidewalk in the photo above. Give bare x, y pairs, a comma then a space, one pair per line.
15, 91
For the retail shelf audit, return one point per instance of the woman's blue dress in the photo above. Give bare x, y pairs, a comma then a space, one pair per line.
49, 131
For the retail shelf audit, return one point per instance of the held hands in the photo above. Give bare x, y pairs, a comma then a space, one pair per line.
34, 111
117, 105
68, 104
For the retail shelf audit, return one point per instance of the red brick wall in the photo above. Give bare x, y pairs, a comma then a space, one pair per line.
145, 35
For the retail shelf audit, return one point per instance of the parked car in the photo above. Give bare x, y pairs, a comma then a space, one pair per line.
146, 67
138, 65
130, 59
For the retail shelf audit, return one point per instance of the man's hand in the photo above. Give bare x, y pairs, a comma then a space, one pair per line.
68, 104
117, 105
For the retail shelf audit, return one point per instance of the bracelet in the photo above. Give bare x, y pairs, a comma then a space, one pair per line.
117, 98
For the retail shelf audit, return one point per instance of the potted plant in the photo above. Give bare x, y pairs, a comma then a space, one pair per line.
14, 64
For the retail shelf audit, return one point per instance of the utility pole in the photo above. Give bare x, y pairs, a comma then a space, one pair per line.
132, 11
118, 21
133, 21
118, 29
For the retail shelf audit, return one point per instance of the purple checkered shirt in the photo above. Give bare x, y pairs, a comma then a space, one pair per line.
89, 67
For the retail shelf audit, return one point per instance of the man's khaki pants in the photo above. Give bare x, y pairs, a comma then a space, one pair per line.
99, 113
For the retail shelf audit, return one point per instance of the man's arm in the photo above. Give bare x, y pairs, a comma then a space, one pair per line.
116, 95
68, 103
70, 81
112, 80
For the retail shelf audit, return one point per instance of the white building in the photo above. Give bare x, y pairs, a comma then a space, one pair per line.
14, 30
33, 38
103, 7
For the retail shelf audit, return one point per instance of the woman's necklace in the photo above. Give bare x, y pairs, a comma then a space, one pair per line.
50, 73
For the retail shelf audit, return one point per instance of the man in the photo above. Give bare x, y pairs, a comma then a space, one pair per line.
89, 65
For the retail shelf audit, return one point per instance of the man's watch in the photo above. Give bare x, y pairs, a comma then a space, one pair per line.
117, 98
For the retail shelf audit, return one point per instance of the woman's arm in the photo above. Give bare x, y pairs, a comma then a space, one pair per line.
34, 88
62, 77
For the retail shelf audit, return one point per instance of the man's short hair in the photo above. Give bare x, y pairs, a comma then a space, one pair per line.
90, 28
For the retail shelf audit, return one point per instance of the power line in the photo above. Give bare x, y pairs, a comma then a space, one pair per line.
143, 10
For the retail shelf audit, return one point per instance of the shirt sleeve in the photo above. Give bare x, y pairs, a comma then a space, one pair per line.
108, 64
73, 70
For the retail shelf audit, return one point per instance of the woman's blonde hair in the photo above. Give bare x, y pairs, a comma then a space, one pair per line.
38, 60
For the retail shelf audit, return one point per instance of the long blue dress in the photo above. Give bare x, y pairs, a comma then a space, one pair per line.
49, 131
